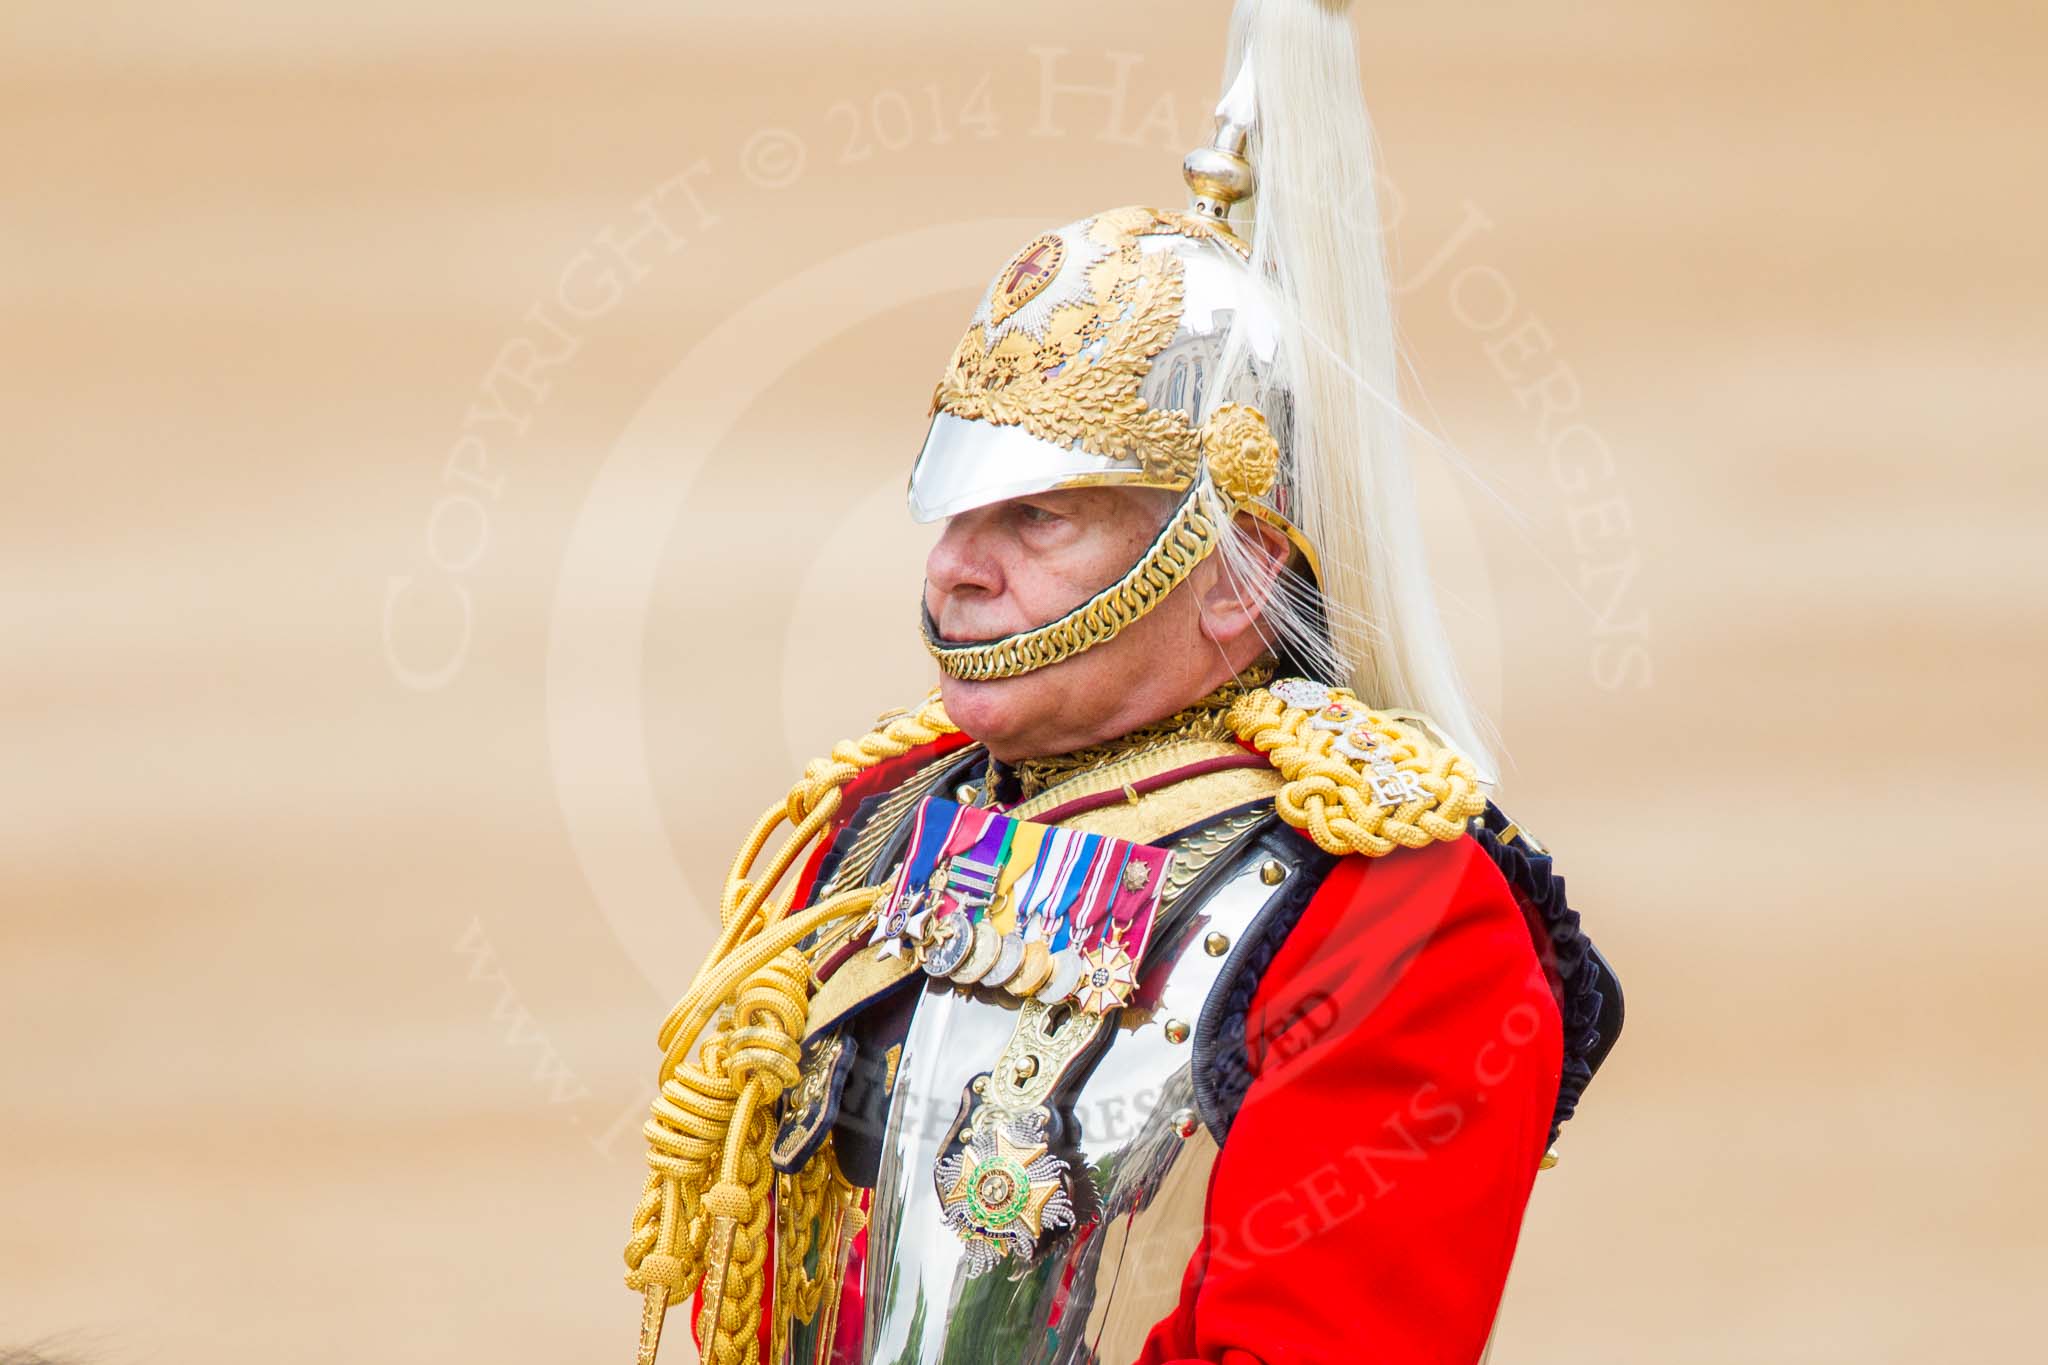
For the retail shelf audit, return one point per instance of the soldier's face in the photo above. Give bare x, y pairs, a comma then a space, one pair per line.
1016, 565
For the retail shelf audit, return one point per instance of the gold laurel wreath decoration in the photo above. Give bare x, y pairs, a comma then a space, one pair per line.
1078, 385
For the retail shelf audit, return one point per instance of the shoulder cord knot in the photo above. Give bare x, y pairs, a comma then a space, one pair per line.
895, 734
1326, 793
702, 1218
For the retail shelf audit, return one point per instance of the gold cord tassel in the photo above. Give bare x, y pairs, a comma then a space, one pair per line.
703, 1217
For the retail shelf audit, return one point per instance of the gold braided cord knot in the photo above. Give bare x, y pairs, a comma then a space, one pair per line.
1331, 795
897, 735
730, 1048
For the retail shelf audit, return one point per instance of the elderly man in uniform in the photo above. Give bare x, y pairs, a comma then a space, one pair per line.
1166, 987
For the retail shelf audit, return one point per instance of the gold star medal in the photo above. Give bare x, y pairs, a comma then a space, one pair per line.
1004, 1191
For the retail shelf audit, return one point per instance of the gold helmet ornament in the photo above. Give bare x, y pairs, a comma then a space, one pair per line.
1094, 348
1246, 365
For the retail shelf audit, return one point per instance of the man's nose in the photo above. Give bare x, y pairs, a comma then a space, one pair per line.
963, 558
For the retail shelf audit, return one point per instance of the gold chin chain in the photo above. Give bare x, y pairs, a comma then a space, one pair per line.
1208, 718
1188, 537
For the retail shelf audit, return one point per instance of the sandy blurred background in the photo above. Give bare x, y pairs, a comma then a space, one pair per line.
452, 467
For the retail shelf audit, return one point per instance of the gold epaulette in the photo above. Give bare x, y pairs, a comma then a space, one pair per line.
1357, 780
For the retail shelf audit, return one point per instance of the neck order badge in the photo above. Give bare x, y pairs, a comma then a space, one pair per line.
1044, 913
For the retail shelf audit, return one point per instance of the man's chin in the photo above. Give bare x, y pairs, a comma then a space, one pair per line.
994, 712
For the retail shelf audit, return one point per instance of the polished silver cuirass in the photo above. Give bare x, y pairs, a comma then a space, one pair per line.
1139, 1143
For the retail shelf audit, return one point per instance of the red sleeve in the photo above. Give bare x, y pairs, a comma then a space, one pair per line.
1405, 1050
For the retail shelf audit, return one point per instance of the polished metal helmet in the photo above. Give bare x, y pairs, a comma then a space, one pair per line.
1092, 361
1249, 367
1134, 348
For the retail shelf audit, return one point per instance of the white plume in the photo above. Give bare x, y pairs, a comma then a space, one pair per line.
1315, 234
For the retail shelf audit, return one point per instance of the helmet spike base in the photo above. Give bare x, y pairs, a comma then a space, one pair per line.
1219, 175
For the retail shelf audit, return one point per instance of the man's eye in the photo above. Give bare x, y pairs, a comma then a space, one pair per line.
1038, 516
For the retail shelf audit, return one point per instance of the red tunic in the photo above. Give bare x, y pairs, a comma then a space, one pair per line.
1405, 1046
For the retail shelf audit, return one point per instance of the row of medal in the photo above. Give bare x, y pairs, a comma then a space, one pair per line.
1040, 912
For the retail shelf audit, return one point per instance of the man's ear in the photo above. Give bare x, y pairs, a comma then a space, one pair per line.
1240, 582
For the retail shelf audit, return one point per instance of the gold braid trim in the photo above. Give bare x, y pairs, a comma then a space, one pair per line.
1185, 541
703, 1214
1331, 795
